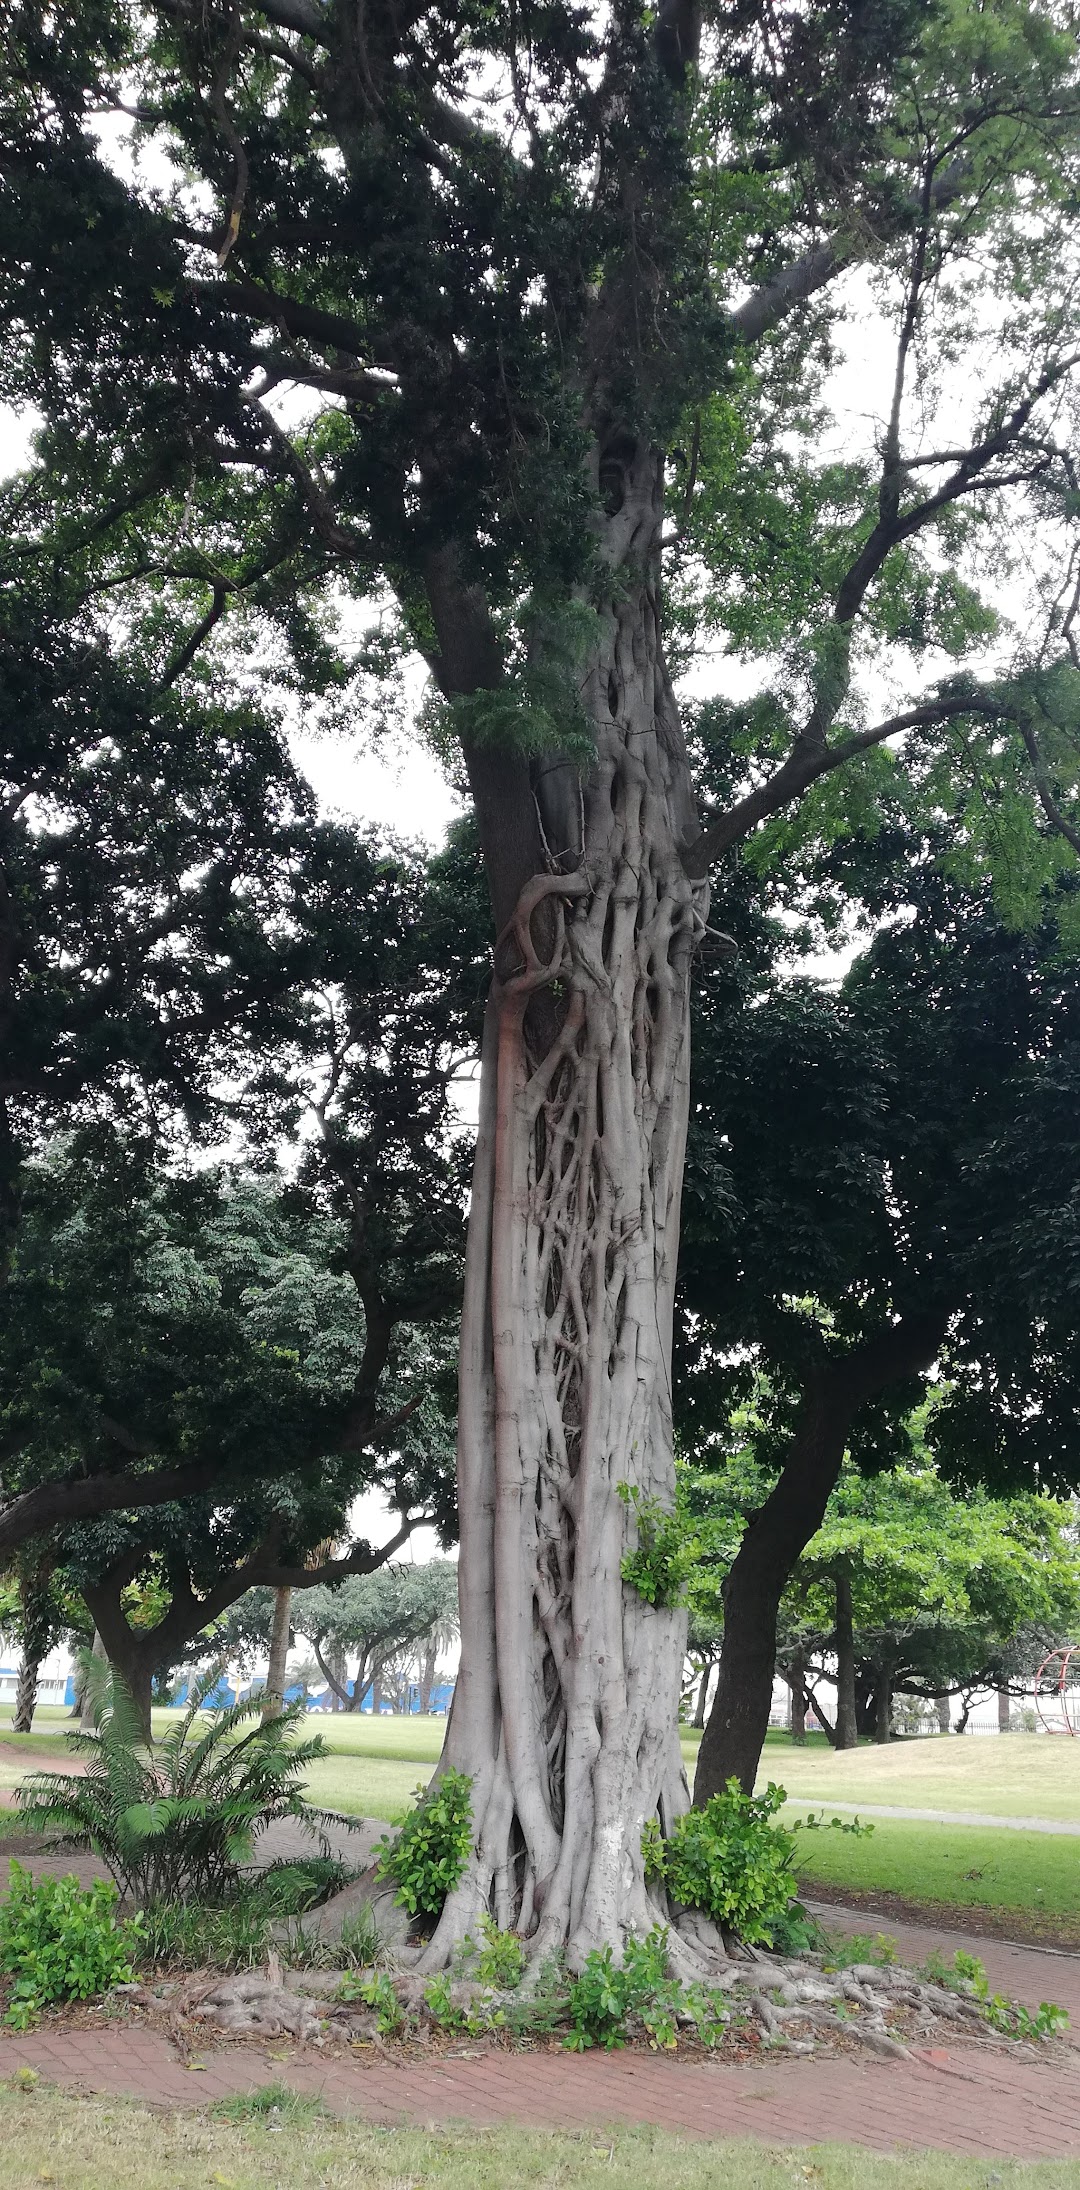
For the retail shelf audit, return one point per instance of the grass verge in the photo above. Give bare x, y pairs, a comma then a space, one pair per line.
966, 1867
106, 2144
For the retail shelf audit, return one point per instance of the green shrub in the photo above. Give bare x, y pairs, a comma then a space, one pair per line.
179, 1822
730, 1861
603, 1995
501, 1959
427, 1855
61, 1941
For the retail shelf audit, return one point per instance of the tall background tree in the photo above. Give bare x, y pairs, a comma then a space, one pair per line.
519, 319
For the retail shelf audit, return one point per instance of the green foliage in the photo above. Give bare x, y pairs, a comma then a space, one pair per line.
810, 1823
238, 1934
428, 1853
730, 1861
662, 1560
376, 1991
501, 1959
652, 1848
843, 1950
177, 1823
61, 1941
966, 1973
605, 1995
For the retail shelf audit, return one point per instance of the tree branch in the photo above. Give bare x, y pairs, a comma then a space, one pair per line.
809, 760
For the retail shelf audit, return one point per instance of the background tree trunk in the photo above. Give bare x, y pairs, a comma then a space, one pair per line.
86, 1708
943, 1707
703, 1694
1004, 1713
797, 1683
427, 1676
847, 1732
25, 1695
883, 1706
273, 1702
776, 1536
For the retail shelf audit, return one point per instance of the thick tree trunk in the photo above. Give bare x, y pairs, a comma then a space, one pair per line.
943, 1707
273, 1702
25, 1695
847, 1732
566, 1708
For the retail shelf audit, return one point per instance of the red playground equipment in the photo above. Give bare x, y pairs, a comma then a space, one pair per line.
1057, 1690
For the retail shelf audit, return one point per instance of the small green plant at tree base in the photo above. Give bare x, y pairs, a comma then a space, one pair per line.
731, 1861
604, 1996
1016, 2021
501, 1960
440, 2004
375, 1991
427, 1855
653, 1849
61, 1941
842, 1952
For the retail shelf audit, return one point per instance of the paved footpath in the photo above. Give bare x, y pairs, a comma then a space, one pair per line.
1069, 1826
983, 2102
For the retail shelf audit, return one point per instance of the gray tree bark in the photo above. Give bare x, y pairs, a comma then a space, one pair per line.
796, 1680
25, 1695
567, 1700
847, 1732
273, 1702
1004, 1712
86, 1709
942, 1705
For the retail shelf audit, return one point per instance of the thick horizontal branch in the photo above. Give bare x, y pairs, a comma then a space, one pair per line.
809, 760
86, 1498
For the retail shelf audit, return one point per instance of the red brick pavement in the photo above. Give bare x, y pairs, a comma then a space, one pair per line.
986, 2104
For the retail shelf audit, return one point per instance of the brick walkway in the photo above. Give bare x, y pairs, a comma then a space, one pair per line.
984, 2104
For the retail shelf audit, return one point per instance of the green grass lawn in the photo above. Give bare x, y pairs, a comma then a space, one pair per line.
970, 1866
376, 1764
1011, 1775
108, 2144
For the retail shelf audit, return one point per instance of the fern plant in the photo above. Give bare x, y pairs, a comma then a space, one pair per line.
179, 1822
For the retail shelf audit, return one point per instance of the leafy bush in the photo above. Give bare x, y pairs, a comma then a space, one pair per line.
603, 1998
501, 1959
61, 1941
177, 1823
428, 1853
378, 1993
728, 1860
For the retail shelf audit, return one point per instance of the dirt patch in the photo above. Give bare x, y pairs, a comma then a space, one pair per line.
1018, 1926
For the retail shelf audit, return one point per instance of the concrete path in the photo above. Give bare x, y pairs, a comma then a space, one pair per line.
1069, 1826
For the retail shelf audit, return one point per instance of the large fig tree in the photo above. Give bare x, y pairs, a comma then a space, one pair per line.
515, 319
